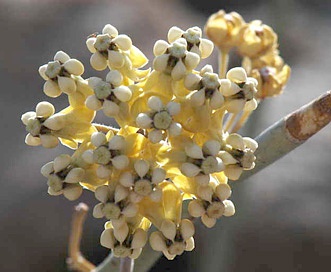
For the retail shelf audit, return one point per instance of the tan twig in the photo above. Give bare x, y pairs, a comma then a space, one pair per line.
76, 260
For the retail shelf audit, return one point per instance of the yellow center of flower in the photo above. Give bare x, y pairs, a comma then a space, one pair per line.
162, 120
103, 42
177, 248
143, 187
101, 155
53, 69
209, 165
122, 251
215, 209
33, 127
55, 183
111, 211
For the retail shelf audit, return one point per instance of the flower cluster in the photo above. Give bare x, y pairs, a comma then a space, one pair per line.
172, 145
257, 43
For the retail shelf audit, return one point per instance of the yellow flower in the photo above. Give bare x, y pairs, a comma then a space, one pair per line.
222, 29
255, 39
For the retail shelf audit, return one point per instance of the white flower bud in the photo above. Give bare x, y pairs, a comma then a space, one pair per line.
107, 238
198, 98
111, 211
233, 172
135, 253
116, 60
237, 75
250, 143
227, 158
117, 142
47, 169
179, 71
26, 116
168, 229
250, 105
189, 244
93, 103
87, 156
141, 167
217, 100
160, 63
205, 192
155, 103
90, 44
157, 241
175, 129
121, 193
61, 162
191, 82
123, 93
126, 179
32, 141
74, 67
207, 221
211, 147
155, 136
158, 175
114, 77
44, 109
143, 120
191, 60
98, 139
195, 208
98, 62
51, 88
67, 85
109, 29
61, 56
72, 191
194, 151
202, 180
186, 229
143, 187
120, 162
110, 108
160, 47
49, 141
103, 172
206, 47
174, 33
189, 169
102, 193
55, 122
97, 210
236, 141
75, 175
229, 208
121, 233
229, 88
223, 191
123, 41
173, 108
52, 192
139, 239
42, 70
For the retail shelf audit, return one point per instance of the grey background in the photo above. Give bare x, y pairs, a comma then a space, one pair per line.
283, 214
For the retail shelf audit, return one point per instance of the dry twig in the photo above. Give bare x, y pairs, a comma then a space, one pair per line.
76, 260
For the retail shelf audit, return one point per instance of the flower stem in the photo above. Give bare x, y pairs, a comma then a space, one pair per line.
223, 60
126, 264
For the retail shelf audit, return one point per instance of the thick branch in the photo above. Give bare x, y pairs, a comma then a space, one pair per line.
76, 260
290, 132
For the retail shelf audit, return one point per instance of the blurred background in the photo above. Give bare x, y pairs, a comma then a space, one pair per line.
283, 218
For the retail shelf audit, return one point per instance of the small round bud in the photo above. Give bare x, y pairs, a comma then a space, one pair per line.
44, 109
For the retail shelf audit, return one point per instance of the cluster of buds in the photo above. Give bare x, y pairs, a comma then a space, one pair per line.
171, 146
257, 43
